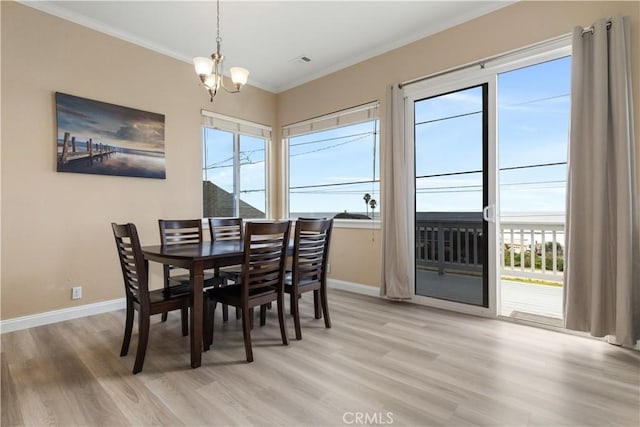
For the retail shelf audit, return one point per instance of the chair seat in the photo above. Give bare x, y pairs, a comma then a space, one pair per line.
172, 292
171, 298
303, 285
231, 295
210, 280
167, 294
233, 272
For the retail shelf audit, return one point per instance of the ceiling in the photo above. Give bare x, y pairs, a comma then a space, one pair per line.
270, 37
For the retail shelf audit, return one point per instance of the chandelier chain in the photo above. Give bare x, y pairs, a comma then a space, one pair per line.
218, 38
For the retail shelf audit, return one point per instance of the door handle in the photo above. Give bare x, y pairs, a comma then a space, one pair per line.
489, 216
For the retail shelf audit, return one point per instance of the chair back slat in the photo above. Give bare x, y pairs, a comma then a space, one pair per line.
178, 232
134, 267
225, 228
311, 250
173, 232
265, 251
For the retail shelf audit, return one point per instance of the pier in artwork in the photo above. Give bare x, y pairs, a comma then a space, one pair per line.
93, 152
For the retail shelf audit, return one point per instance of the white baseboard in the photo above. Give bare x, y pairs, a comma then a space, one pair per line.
356, 288
55, 316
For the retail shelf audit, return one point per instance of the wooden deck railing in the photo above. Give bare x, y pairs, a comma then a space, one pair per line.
454, 242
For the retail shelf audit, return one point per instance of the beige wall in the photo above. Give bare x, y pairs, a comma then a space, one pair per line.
510, 28
55, 227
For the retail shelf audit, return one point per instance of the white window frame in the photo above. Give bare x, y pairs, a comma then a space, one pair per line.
359, 114
240, 127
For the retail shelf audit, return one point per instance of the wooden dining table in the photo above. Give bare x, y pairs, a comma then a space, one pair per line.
196, 257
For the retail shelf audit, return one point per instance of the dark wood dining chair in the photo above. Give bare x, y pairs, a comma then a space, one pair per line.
289, 269
138, 295
180, 232
309, 268
261, 282
223, 229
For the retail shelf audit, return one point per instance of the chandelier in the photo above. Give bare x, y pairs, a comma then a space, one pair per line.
210, 69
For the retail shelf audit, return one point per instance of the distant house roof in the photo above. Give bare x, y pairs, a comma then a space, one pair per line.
347, 215
220, 203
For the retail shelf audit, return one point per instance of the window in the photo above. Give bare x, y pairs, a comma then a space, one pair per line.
334, 165
234, 171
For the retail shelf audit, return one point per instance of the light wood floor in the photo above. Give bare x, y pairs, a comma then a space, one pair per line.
394, 363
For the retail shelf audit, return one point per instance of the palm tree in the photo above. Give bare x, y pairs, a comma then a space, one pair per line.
366, 198
373, 205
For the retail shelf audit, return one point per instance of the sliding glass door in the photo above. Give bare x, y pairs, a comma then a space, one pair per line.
490, 165
451, 142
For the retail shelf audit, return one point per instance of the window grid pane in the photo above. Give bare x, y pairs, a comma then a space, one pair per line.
234, 175
217, 168
330, 171
252, 177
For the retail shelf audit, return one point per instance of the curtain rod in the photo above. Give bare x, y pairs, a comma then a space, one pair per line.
590, 29
481, 62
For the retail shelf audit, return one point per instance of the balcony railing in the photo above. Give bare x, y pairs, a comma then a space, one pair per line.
533, 250
450, 241
453, 241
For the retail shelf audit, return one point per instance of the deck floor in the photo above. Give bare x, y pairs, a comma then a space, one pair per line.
520, 300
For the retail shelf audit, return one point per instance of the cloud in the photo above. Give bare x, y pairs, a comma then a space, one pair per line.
150, 132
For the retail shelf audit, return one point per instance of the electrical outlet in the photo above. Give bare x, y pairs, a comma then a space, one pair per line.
76, 292
328, 268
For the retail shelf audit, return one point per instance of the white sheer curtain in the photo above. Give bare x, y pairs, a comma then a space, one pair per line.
602, 289
397, 247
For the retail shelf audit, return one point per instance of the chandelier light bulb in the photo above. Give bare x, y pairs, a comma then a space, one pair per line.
203, 65
239, 76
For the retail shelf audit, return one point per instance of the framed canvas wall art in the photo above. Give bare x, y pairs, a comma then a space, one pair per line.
100, 138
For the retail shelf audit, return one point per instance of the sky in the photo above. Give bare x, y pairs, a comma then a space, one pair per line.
109, 124
533, 119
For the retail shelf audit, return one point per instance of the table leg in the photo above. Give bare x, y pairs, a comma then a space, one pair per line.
197, 280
